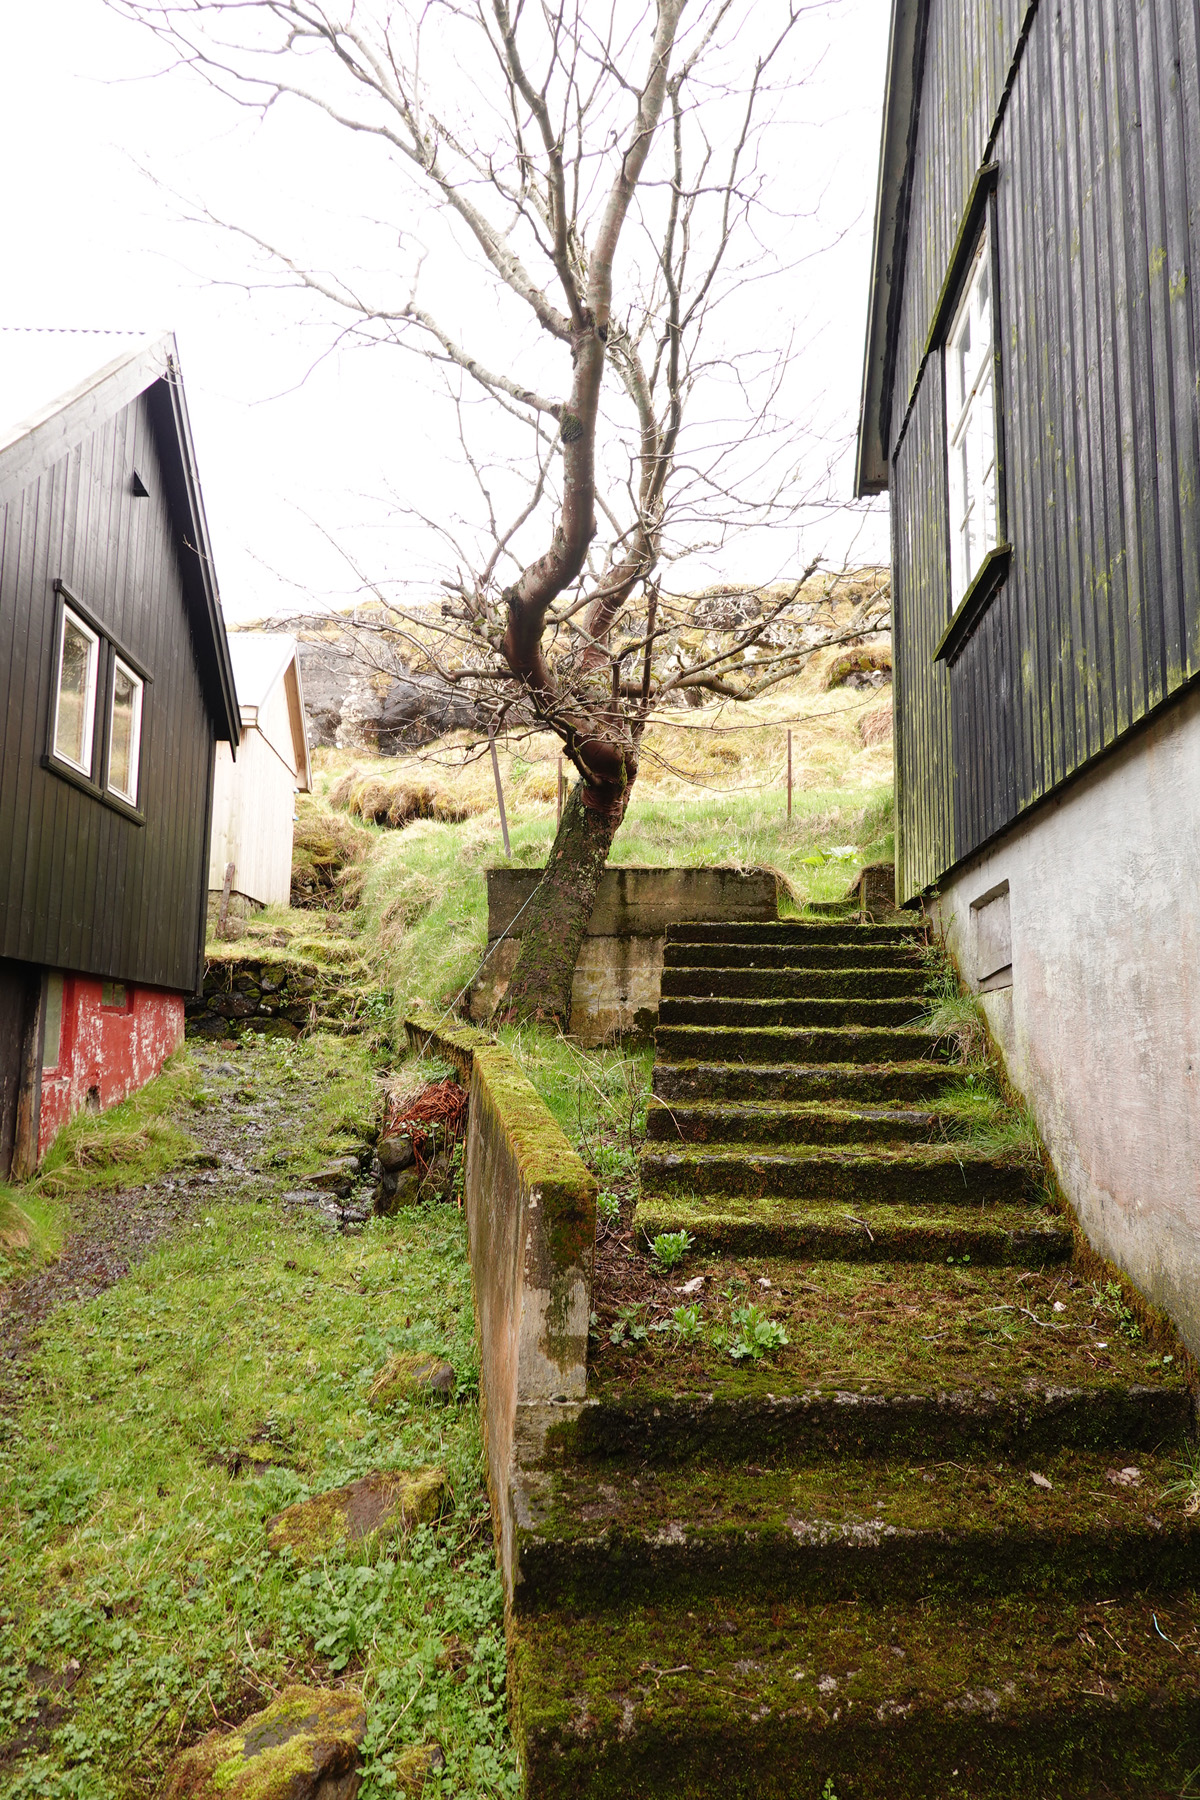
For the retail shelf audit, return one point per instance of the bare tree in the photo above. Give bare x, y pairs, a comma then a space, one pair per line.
599, 170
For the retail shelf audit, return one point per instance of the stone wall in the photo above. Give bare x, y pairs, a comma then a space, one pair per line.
531, 1226
618, 975
274, 996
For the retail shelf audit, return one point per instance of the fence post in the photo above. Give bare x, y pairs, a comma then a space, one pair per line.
789, 775
499, 790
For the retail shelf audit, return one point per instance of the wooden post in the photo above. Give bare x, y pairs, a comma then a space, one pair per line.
789, 776
223, 914
499, 792
560, 791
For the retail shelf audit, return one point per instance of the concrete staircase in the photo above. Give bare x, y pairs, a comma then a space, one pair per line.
921, 1549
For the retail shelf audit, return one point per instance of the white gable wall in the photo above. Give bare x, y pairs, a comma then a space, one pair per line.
253, 808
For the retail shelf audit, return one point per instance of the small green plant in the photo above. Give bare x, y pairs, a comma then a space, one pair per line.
1111, 1300
757, 1334
827, 1792
687, 1323
670, 1247
608, 1206
628, 1327
1187, 1485
615, 1162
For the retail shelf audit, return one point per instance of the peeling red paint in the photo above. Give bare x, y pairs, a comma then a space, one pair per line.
106, 1052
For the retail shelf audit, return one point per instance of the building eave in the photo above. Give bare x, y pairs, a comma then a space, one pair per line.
901, 106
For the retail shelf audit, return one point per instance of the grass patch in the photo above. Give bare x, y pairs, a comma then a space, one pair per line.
169, 1418
31, 1230
126, 1146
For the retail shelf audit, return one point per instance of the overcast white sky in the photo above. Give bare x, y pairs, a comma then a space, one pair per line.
99, 143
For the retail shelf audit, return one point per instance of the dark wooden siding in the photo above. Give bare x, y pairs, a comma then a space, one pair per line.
1098, 215
920, 555
81, 886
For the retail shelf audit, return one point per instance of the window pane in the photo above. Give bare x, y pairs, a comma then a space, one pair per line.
52, 1030
76, 695
124, 732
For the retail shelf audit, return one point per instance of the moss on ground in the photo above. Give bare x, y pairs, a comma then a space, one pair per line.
877, 1326
875, 1530
767, 1700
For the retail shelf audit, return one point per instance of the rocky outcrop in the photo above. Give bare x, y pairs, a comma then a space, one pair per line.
383, 1503
304, 1746
353, 706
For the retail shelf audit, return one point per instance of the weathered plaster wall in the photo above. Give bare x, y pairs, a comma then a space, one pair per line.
1100, 1027
618, 976
531, 1229
105, 1052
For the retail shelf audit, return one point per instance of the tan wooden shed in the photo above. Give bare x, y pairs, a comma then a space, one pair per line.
254, 798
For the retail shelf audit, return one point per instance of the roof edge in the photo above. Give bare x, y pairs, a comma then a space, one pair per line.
38, 441
901, 102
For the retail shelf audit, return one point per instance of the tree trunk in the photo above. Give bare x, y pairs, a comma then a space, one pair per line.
557, 917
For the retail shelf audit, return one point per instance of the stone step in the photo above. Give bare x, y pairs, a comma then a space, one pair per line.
795, 982
682, 1122
854, 1084
1022, 1236
594, 1534
913, 1176
781, 1044
866, 1357
727, 1425
738, 955
937, 1699
819, 1014
794, 931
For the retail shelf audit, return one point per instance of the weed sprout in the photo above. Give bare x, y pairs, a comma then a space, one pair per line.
608, 1206
756, 1334
687, 1323
670, 1247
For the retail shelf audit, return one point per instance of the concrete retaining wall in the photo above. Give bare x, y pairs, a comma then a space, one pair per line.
531, 1226
618, 975
1081, 930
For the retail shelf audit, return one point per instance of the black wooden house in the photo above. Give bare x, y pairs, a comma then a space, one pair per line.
1031, 402
116, 687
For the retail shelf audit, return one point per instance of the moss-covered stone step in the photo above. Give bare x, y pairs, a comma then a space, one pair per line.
808, 1122
738, 955
782, 1044
821, 1012
1074, 1523
728, 1426
913, 1175
878, 1341
1024, 1237
796, 931
793, 983
850, 1084
941, 1700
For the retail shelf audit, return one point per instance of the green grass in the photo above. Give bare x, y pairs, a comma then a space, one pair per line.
31, 1231
171, 1416
424, 901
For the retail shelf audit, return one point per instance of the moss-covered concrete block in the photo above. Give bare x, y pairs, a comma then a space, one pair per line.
412, 1377
383, 1502
305, 1746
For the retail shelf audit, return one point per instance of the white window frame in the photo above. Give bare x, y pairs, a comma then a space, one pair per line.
89, 724
120, 666
971, 443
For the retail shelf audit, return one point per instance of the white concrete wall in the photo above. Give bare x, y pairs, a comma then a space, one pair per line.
1100, 1029
253, 808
